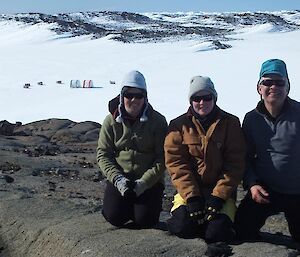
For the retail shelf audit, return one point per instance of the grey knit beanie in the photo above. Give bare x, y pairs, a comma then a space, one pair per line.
133, 79
199, 83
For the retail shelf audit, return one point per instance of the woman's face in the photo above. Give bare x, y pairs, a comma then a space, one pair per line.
203, 103
134, 100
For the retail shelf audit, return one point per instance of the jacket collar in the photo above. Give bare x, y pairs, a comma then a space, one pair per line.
217, 113
261, 109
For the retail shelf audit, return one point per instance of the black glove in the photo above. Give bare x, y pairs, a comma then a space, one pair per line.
130, 194
195, 208
213, 206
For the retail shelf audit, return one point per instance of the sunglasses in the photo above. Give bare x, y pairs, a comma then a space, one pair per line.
198, 98
133, 95
271, 82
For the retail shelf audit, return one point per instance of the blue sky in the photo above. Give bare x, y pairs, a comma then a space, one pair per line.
58, 6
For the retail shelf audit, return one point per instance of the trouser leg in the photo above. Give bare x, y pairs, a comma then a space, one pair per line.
117, 210
148, 206
293, 220
250, 217
219, 229
181, 225
290, 205
292, 214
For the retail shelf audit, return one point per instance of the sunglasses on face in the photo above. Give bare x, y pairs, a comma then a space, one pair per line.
133, 95
271, 82
198, 98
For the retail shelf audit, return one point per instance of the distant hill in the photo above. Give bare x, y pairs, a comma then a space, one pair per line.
157, 27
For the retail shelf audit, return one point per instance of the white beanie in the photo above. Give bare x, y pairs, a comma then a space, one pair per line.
133, 79
199, 83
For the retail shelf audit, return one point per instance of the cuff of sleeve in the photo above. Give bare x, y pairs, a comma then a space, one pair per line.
215, 202
115, 176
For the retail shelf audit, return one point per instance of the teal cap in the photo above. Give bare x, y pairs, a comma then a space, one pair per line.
273, 66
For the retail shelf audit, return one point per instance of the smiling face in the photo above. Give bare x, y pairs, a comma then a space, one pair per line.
202, 102
273, 89
134, 101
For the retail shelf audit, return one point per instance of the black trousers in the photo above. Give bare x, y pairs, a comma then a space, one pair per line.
251, 216
218, 230
144, 210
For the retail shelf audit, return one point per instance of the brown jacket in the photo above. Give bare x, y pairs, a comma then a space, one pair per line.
202, 163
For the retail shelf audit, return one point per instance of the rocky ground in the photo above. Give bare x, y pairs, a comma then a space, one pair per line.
51, 197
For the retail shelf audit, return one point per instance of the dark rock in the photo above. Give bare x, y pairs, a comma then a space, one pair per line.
36, 173
45, 128
77, 132
11, 167
7, 129
218, 249
52, 186
61, 131
7, 178
42, 150
219, 45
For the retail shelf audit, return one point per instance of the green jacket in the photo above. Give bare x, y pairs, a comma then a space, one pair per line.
134, 150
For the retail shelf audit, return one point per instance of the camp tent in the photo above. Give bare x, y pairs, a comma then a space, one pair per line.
88, 83
75, 83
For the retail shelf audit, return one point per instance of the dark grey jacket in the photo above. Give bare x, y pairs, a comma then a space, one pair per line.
273, 157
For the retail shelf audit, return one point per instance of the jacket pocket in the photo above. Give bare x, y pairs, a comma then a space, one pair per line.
194, 145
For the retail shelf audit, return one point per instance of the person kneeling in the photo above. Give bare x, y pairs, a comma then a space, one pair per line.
130, 155
204, 154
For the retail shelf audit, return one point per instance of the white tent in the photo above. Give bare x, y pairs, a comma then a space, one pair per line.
88, 83
75, 83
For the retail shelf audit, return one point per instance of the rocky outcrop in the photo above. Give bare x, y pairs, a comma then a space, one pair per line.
51, 193
60, 131
7, 129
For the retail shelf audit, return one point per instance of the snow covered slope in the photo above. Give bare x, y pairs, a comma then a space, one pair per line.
167, 48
